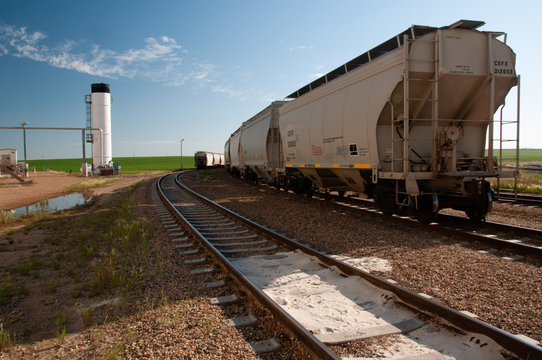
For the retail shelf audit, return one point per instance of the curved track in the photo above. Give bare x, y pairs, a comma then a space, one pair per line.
224, 234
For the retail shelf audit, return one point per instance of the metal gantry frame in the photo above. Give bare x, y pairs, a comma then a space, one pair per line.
24, 128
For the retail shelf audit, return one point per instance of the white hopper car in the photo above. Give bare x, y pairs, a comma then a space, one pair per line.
206, 159
404, 123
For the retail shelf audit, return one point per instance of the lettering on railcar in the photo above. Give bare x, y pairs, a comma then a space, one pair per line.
332, 139
461, 69
501, 68
316, 150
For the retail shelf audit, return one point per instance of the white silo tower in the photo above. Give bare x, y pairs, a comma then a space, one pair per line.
101, 118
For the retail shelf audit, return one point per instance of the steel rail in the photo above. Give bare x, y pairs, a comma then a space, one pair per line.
313, 344
516, 345
525, 199
517, 247
519, 230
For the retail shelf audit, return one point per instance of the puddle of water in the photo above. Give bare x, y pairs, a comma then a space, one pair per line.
52, 205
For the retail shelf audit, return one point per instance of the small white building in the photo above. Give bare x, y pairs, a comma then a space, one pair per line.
8, 157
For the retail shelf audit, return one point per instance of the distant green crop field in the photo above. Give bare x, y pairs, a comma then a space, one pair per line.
525, 155
126, 163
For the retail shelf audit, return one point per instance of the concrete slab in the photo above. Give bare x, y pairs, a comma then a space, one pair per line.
401, 327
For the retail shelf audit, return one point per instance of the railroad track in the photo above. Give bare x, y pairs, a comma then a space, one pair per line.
214, 232
518, 242
508, 197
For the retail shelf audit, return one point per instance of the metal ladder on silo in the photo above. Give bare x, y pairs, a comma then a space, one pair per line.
88, 102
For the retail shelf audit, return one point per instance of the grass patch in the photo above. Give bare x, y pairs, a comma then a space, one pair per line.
60, 327
527, 183
6, 339
90, 184
128, 164
6, 290
86, 316
107, 256
205, 177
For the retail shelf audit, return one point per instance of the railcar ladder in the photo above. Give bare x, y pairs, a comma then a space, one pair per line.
401, 165
502, 141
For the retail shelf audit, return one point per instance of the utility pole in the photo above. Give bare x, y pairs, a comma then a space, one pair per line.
182, 153
24, 125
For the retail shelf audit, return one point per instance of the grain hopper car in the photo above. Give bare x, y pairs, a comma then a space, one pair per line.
406, 123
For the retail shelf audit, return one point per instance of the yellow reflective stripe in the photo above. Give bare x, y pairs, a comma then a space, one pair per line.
288, 165
362, 166
302, 165
335, 165
317, 165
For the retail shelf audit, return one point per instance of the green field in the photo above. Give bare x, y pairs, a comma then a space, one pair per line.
127, 164
525, 155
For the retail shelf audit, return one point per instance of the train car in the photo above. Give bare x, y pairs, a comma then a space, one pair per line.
236, 161
206, 159
227, 161
404, 123
261, 157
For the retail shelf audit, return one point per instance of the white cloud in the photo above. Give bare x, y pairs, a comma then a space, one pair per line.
300, 47
316, 76
159, 60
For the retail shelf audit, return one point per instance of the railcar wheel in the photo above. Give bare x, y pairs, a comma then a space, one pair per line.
276, 184
483, 206
427, 206
386, 202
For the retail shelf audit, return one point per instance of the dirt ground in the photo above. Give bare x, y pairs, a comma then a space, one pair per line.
45, 185
86, 283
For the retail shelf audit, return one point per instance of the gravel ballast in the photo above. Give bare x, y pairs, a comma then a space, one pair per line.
503, 293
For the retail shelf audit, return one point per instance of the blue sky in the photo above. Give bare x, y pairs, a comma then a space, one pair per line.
197, 69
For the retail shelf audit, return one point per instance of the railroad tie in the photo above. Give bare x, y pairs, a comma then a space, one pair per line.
225, 300
234, 251
195, 261
202, 271
265, 346
189, 252
214, 284
242, 321
181, 239
184, 246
